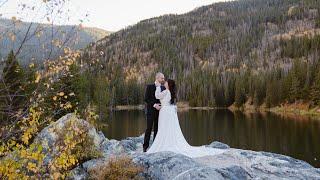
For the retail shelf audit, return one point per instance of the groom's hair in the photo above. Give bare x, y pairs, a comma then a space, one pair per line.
159, 74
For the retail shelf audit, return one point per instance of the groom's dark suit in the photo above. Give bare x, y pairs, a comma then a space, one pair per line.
151, 113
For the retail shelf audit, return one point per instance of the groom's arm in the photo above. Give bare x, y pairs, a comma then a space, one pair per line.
147, 96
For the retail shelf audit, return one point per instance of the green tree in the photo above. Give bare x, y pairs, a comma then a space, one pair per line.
101, 95
240, 96
315, 90
13, 80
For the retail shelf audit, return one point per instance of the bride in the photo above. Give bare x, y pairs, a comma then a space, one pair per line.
169, 136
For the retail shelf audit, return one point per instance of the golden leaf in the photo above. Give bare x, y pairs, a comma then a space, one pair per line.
25, 138
38, 76
31, 166
56, 175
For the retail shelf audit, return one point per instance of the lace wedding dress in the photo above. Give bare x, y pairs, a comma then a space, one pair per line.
169, 136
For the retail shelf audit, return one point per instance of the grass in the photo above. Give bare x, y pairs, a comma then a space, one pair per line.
120, 167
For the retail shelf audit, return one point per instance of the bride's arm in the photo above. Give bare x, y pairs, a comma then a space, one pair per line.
159, 94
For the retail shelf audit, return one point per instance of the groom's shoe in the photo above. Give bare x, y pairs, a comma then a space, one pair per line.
144, 149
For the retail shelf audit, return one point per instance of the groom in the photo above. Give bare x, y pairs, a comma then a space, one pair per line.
152, 109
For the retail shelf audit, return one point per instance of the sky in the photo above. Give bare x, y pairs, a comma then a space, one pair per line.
106, 14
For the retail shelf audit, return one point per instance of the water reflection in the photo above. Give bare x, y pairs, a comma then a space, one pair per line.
297, 137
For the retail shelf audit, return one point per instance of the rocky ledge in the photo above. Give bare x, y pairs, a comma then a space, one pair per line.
232, 164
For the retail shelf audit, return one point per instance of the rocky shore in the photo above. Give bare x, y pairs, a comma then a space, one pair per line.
232, 164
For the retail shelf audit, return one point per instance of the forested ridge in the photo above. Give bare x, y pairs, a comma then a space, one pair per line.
45, 41
264, 51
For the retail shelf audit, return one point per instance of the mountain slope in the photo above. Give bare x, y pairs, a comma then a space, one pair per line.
205, 50
44, 40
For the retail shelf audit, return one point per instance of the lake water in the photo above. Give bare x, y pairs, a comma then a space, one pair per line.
293, 136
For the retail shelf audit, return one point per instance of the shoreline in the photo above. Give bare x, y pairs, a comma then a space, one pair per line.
310, 113
279, 110
181, 108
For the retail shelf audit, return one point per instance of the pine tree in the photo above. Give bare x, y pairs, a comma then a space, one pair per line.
315, 90
101, 95
297, 80
240, 97
295, 89
13, 79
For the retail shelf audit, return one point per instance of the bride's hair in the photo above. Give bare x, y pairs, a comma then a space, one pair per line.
172, 89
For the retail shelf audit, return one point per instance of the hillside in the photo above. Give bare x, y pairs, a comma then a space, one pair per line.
44, 40
219, 54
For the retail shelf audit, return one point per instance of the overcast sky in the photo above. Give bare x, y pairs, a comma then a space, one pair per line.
110, 15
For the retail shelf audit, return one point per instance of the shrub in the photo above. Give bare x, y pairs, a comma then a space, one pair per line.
73, 146
120, 167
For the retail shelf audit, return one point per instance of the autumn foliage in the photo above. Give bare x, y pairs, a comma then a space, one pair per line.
52, 96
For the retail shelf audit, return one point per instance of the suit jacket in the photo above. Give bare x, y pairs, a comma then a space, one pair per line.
150, 98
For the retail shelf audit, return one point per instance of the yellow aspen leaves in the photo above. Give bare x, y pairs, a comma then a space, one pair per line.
66, 50
38, 76
57, 175
11, 143
73, 161
25, 137
54, 98
68, 105
13, 18
32, 166
61, 93
23, 153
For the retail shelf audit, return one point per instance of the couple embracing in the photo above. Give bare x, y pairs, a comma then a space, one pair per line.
161, 113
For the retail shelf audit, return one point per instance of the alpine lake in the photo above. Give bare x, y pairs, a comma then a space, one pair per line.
298, 137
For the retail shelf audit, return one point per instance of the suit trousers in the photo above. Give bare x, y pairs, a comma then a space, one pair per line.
152, 121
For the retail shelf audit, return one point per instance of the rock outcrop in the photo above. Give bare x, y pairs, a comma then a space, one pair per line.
50, 136
232, 164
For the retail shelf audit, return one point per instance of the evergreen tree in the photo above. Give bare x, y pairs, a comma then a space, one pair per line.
272, 93
240, 96
101, 95
315, 90
13, 80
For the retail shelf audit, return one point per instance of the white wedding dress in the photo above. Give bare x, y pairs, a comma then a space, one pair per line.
169, 136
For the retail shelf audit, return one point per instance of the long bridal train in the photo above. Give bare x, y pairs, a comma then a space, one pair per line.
170, 136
